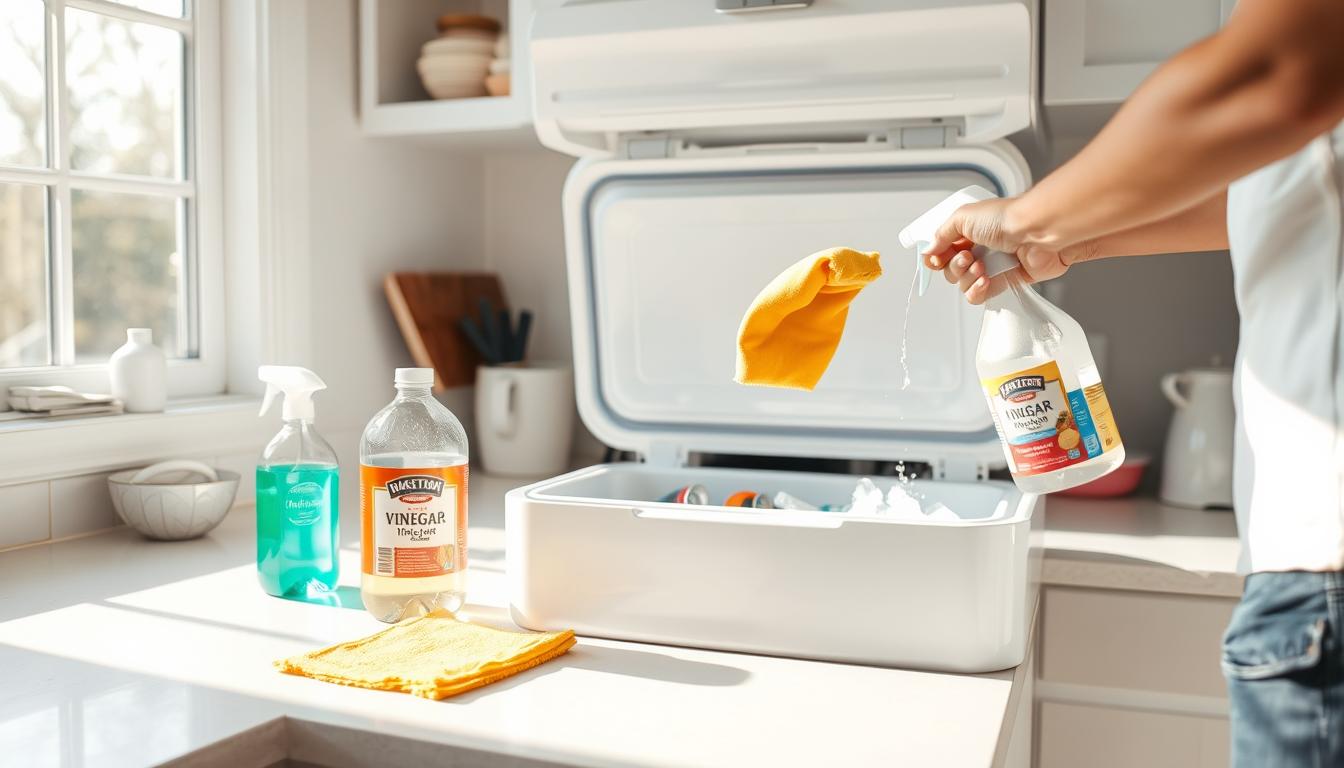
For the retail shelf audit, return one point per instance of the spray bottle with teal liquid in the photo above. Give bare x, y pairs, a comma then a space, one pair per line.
297, 492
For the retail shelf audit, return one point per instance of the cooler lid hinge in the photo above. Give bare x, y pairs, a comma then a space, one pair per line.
648, 146
934, 135
666, 455
960, 469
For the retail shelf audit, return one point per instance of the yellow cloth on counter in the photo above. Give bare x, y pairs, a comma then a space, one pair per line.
434, 656
790, 333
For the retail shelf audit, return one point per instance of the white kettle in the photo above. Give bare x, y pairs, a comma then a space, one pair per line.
1197, 467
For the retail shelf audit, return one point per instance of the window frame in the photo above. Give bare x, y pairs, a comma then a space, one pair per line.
254, 171
200, 226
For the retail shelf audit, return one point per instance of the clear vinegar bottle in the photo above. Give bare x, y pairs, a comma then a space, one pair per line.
1044, 392
413, 504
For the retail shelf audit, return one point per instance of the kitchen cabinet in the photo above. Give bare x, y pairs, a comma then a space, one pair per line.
1131, 678
392, 101
1098, 51
1113, 737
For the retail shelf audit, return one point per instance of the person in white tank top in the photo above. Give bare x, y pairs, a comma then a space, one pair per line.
1235, 143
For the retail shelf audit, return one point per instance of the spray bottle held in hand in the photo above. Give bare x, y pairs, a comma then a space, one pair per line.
1044, 392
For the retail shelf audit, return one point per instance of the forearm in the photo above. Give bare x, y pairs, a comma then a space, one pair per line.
1202, 227
1257, 91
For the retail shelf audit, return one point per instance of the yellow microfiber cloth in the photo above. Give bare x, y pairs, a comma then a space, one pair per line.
793, 327
434, 656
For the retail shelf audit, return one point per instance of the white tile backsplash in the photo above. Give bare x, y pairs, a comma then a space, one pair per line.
73, 506
25, 514
80, 505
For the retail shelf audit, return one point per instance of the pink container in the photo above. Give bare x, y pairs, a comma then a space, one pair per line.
1123, 481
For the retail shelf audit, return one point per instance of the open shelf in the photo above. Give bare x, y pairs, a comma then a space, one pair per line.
392, 100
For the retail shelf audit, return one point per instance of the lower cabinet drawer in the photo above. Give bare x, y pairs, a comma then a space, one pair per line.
1075, 735
1134, 640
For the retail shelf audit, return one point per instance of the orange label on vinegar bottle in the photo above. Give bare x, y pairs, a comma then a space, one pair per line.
413, 520
1045, 428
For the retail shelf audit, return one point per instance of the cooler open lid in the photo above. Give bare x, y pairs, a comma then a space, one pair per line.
835, 68
665, 255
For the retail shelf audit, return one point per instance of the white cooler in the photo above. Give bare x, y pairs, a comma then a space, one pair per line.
717, 150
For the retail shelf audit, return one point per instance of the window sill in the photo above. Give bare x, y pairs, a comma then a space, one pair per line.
43, 449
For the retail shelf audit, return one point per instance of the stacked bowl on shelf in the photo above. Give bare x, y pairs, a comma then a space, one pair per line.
455, 64
498, 81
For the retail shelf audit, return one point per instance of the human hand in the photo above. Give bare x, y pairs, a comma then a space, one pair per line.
987, 223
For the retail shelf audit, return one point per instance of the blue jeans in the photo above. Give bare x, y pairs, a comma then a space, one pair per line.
1284, 662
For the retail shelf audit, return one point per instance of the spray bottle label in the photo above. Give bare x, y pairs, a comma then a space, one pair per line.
414, 521
1044, 427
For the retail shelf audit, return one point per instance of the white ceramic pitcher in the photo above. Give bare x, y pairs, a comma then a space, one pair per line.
1197, 468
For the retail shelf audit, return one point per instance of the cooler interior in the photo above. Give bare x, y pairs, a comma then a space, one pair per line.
641, 485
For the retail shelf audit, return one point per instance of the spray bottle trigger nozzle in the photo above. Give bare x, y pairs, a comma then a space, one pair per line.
268, 399
925, 274
296, 384
921, 231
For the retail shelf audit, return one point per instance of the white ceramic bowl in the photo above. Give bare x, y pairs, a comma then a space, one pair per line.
458, 45
467, 33
173, 500
455, 90
460, 59
454, 76
450, 66
453, 84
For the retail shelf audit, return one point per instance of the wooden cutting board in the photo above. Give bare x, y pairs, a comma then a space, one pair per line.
428, 305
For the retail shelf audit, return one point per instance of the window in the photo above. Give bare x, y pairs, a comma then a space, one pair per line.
106, 111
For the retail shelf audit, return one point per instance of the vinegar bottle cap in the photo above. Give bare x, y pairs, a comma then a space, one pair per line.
415, 377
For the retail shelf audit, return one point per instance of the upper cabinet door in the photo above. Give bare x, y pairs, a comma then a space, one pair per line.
1098, 51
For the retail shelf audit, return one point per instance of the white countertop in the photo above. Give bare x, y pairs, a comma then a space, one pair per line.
1140, 544
120, 651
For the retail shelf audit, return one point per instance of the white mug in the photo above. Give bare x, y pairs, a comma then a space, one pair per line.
524, 418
